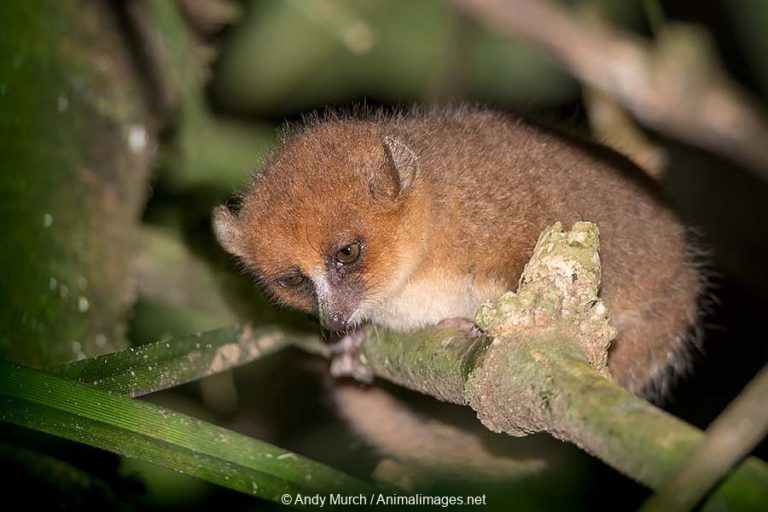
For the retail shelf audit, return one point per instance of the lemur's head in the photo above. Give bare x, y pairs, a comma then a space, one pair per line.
333, 224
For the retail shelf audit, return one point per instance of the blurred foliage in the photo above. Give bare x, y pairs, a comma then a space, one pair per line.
59, 482
750, 20
203, 150
289, 56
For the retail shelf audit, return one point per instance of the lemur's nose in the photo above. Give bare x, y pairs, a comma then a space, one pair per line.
335, 322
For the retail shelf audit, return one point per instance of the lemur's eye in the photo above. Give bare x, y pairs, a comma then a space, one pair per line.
348, 254
291, 281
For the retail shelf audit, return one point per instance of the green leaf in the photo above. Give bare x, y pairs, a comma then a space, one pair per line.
33, 399
165, 364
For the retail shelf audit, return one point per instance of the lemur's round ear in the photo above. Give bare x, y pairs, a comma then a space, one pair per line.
227, 230
400, 172
404, 161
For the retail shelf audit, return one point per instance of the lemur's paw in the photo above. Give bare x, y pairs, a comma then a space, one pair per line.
464, 324
347, 361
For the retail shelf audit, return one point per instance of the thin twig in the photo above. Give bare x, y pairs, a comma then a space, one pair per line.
612, 126
675, 86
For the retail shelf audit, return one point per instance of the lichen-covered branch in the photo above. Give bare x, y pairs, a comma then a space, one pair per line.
544, 369
436, 363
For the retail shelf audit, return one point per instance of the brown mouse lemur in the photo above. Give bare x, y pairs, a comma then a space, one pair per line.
406, 220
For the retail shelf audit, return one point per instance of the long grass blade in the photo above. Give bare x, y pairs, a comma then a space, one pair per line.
34, 399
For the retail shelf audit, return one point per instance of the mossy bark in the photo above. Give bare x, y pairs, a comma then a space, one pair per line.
76, 142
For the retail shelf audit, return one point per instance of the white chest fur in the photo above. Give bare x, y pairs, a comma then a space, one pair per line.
427, 301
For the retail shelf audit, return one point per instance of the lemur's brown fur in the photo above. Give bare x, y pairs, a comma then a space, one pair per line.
446, 207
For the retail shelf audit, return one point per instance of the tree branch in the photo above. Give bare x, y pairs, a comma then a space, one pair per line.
729, 439
675, 86
544, 369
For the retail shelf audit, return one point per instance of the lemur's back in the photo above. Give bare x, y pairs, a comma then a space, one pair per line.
497, 182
